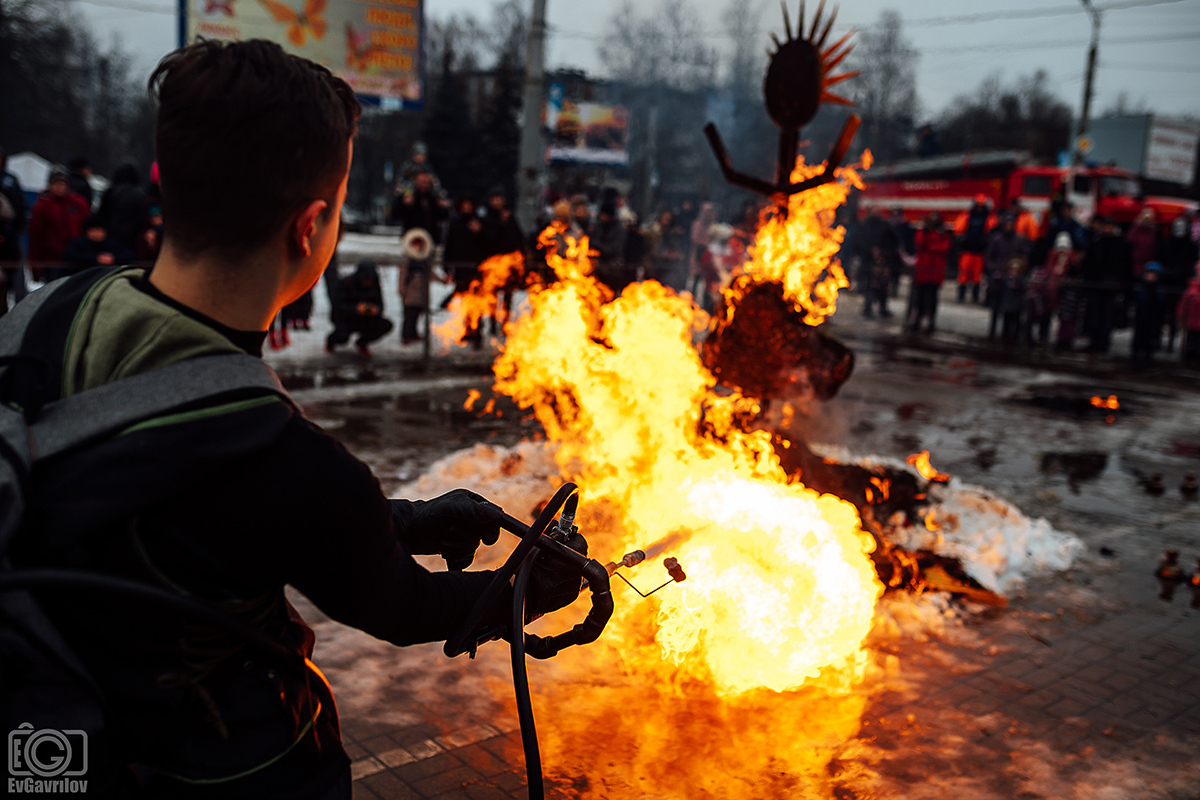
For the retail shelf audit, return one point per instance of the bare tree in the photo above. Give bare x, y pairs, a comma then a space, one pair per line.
663, 45
747, 62
62, 96
885, 91
1021, 116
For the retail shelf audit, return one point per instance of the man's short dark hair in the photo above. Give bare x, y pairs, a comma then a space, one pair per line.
246, 136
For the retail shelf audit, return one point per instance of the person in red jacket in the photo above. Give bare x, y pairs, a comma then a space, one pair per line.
929, 271
57, 218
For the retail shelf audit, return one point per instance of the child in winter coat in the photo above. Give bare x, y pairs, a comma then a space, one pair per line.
1149, 304
1011, 302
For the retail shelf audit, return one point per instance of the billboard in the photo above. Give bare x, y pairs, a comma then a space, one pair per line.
586, 133
1171, 151
374, 45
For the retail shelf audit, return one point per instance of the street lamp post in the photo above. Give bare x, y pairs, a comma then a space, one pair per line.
1088, 77
532, 163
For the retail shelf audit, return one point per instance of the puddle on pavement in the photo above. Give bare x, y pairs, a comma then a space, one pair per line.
1073, 400
1077, 467
399, 436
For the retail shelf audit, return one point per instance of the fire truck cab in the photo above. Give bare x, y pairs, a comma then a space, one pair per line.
949, 185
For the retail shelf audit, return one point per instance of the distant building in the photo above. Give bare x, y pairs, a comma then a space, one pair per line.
1163, 151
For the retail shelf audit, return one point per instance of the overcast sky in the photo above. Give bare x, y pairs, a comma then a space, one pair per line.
1149, 49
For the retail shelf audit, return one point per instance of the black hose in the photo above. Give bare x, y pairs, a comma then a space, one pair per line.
533, 757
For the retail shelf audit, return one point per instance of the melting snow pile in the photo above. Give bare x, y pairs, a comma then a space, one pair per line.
998, 545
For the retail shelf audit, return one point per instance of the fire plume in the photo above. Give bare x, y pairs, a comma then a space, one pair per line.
797, 249
781, 584
781, 590
481, 299
920, 461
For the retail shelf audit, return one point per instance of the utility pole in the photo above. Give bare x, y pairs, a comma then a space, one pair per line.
1088, 77
532, 164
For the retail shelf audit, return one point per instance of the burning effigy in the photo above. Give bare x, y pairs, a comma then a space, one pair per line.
748, 678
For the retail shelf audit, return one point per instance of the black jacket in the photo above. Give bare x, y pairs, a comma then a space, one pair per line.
124, 207
463, 245
10, 229
83, 252
1107, 264
415, 209
502, 235
230, 508
351, 293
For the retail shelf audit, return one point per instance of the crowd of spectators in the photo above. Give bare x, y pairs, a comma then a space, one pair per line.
1048, 283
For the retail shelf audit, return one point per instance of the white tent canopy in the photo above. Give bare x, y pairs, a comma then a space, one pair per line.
31, 170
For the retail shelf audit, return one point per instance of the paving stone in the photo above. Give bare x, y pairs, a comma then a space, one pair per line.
396, 757
360, 791
428, 767
487, 792
1093, 672
506, 748
1067, 707
455, 779
388, 787
482, 761
377, 744
365, 766
1121, 681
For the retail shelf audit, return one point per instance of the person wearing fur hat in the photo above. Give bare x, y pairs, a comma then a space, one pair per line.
56, 219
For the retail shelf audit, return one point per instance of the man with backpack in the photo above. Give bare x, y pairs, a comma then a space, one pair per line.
226, 492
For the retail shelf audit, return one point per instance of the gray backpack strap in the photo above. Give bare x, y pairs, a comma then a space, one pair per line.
14, 323
113, 407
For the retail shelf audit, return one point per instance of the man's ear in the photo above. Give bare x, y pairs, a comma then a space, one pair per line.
304, 227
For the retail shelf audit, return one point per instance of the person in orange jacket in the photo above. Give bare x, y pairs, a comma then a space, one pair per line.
972, 228
1028, 227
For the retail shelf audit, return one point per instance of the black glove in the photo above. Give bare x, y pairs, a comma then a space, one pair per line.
451, 526
554, 584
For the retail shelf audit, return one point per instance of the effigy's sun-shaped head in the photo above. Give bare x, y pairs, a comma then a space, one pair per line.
800, 72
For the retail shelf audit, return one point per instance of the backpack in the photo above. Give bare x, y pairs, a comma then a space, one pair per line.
45, 690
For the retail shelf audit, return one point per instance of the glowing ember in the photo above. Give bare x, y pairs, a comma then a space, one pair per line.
1110, 403
920, 461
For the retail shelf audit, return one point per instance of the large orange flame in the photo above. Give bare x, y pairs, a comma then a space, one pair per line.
481, 299
781, 589
781, 585
798, 249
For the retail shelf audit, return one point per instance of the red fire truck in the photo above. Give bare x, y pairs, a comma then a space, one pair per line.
949, 184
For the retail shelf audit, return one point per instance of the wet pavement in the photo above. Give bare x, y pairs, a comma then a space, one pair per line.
1086, 685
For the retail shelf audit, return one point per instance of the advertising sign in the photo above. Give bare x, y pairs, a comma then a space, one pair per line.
374, 45
586, 133
1171, 151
